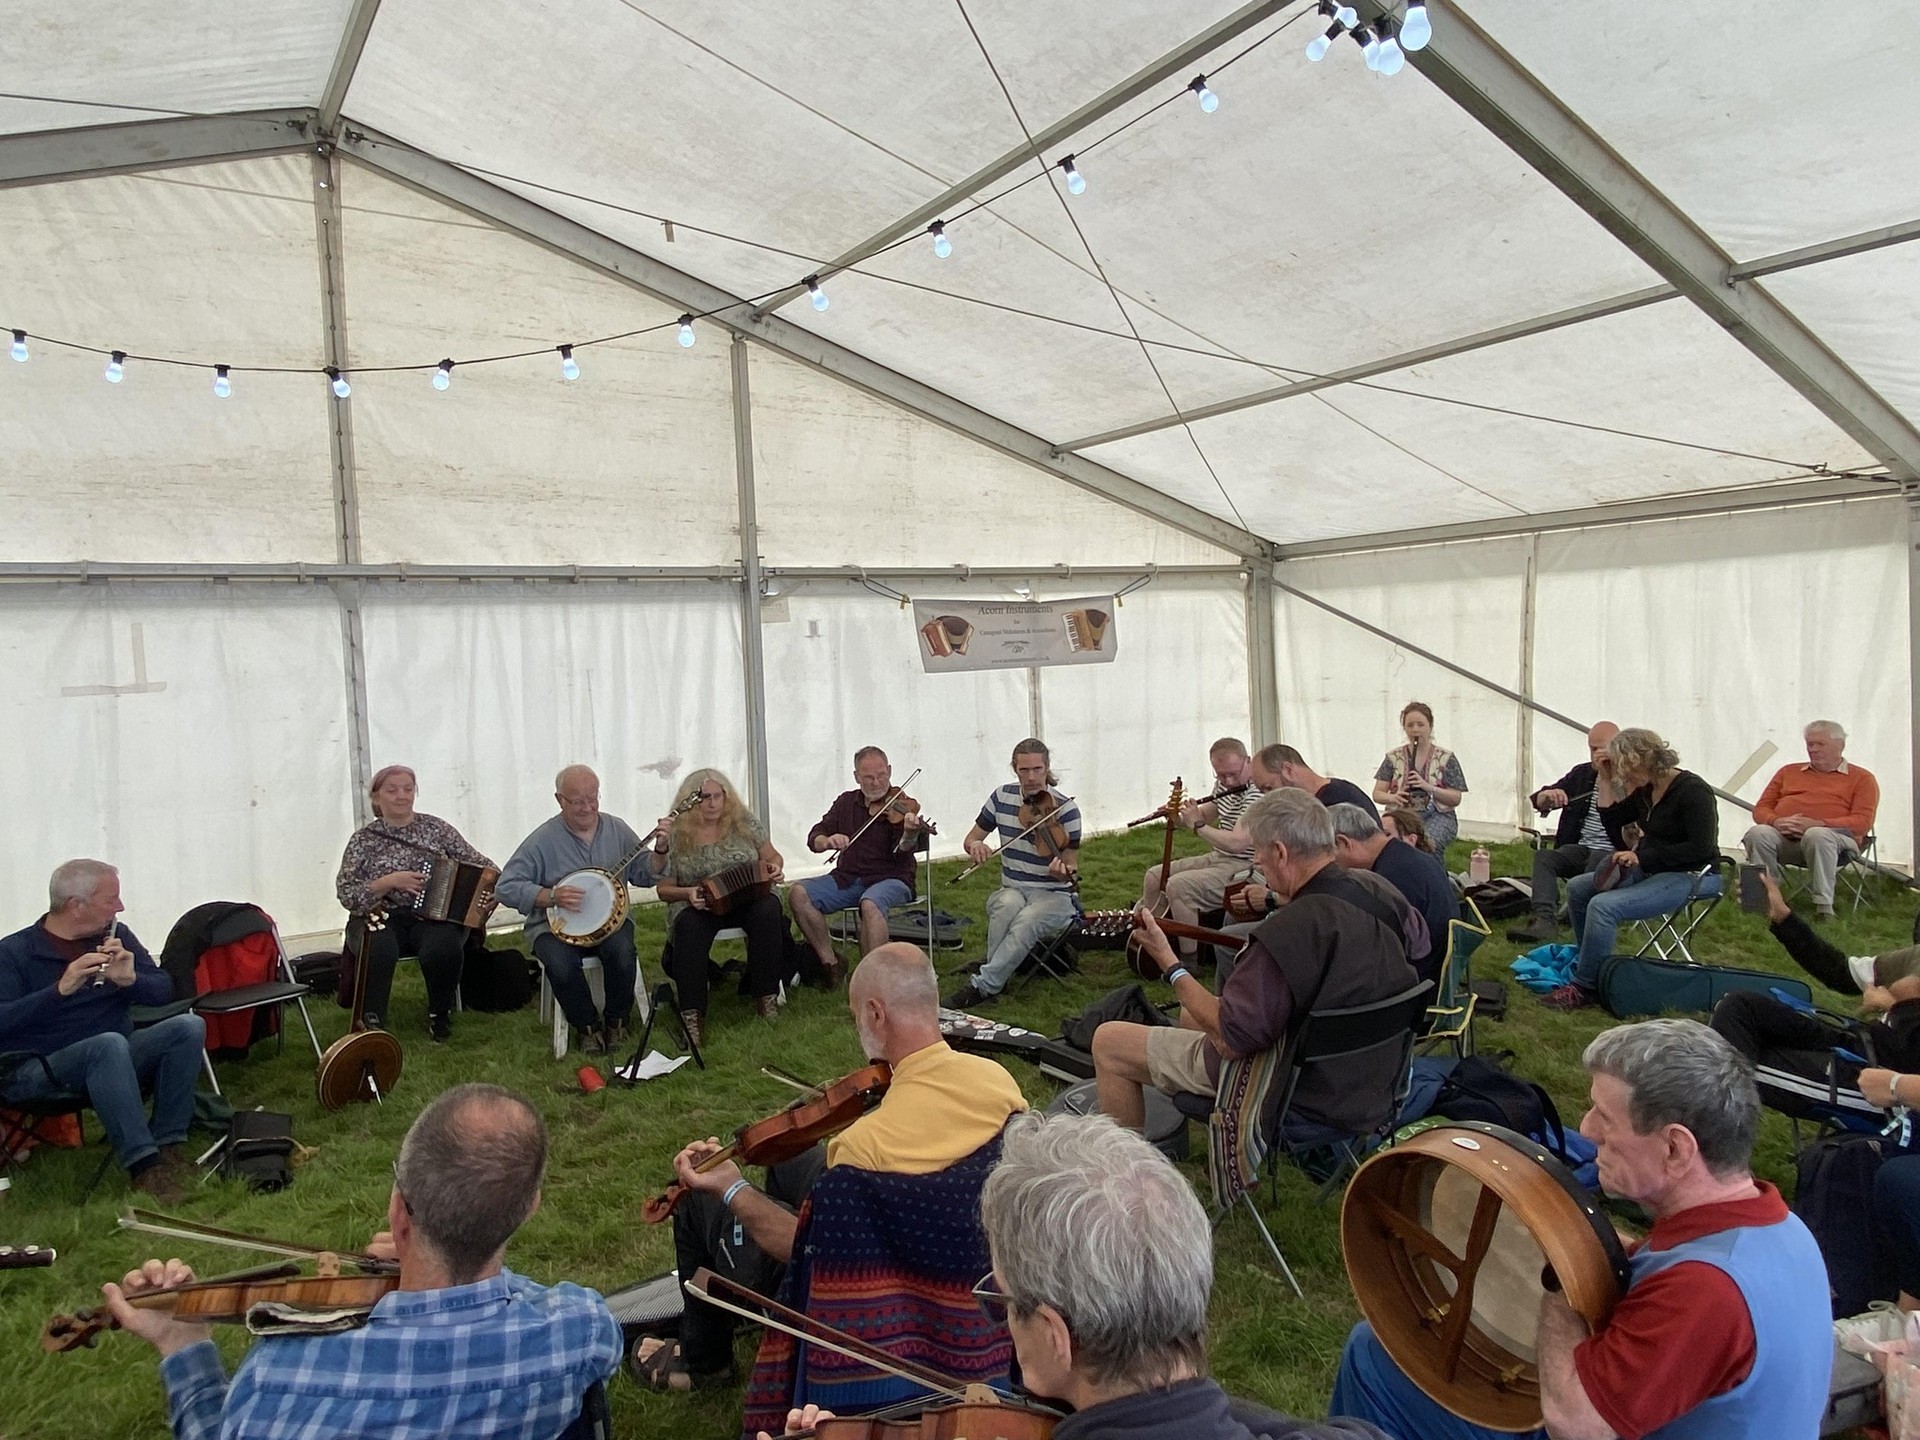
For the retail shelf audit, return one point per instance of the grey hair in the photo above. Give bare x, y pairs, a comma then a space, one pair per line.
470, 1172
75, 880
560, 776
1643, 752
1291, 818
901, 977
1351, 822
1090, 1219
1679, 1072
1832, 729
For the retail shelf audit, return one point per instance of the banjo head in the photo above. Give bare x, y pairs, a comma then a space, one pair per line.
602, 909
1446, 1236
341, 1078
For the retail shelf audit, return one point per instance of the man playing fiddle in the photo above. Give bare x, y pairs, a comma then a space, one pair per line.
874, 833
928, 1145
1039, 831
461, 1346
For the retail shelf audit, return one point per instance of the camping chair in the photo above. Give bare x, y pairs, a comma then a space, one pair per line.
1852, 872
198, 976
24, 1121
1667, 935
1383, 1030
1450, 1017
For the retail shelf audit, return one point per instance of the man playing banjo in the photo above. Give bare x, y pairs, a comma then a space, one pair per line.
542, 880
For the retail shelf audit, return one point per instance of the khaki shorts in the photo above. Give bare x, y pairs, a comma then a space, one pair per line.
1177, 1060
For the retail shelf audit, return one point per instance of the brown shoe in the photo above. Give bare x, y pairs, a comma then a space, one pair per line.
696, 1023
767, 1007
158, 1180
180, 1163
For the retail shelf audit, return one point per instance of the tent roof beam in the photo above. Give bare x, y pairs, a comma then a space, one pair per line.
346, 60
83, 151
512, 212
1176, 60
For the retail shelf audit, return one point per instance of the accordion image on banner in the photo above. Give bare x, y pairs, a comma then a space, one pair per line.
1014, 634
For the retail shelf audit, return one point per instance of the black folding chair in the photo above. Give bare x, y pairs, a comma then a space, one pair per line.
23, 1121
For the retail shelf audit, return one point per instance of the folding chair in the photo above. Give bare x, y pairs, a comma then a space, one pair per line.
245, 920
1667, 935
1855, 868
1383, 1030
44, 1107
1450, 1017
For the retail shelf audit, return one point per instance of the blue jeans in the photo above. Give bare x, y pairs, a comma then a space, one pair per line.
1595, 917
110, 1068
830, 897
1896, 1214
1369, 1386
1020, 917
619, 971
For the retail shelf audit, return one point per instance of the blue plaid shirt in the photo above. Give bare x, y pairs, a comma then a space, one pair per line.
503, 1357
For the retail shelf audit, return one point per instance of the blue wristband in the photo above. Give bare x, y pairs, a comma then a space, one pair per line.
732, 1190
1175, 973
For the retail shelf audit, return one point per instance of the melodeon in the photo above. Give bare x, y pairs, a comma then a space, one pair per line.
735, 887
457, 890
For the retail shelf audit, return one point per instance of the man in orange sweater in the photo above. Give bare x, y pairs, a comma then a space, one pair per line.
1817, 814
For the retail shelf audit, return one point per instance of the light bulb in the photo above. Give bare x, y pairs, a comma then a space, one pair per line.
569, 367
20, 345
222, 386
443, 375
1416, 30
1347, 16
1318, 46
1076, 182
686, 332
1209, 102
819, 295
942, 246
1369, 46
113, 367
340, 385
1392, 59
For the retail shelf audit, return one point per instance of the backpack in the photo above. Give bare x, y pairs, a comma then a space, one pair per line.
259, 1150
1501, 899
1833, 1196
1482, 1088
498, 980
1129, 1002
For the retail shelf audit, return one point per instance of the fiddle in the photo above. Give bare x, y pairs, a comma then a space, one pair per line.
237, 1297
825, 1111
1037, 813
896, 805
970, 1411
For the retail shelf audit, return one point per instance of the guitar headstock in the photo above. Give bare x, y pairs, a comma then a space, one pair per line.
1176, 797
1106, 923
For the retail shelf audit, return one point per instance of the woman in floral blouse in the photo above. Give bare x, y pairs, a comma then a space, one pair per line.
1424, 777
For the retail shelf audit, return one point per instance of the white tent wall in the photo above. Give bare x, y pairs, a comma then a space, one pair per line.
1341, 688
210, 762
487, 690
1721, 632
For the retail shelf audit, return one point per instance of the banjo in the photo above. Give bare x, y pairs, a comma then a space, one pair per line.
604, 904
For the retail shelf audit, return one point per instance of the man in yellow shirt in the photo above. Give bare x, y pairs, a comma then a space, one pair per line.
940, 1111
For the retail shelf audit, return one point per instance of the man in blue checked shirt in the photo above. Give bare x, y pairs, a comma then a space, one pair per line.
463, 1346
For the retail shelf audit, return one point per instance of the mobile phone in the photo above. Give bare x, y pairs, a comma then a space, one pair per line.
1753, 894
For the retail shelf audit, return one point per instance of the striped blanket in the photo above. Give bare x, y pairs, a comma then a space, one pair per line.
891, 1259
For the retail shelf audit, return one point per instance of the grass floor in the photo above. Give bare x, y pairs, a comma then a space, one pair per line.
612, 1149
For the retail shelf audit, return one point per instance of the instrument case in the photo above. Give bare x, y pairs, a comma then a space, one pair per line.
1636, 985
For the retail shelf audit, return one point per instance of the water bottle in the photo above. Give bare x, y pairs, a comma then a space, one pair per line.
1479, 866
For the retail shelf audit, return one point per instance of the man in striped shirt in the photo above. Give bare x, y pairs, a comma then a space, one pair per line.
1199, 882
1039, 877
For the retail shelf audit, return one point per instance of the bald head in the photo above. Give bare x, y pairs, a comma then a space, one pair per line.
1598, 737
895, 999
576, 775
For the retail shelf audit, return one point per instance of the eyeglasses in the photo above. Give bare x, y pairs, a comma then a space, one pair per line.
994, 1301
713, 794
408, 1204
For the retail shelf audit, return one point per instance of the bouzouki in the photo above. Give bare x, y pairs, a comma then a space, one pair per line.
362, 1064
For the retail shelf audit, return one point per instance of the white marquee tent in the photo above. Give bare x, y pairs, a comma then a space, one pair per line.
1572, 367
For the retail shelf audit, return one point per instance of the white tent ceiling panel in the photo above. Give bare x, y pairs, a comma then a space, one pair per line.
489, 689
1769, 123
1121, 732
1342, 689
1867, 308
1729, 633
845, 666
122, 62
213, 264
835, 467
194, 736
631, 464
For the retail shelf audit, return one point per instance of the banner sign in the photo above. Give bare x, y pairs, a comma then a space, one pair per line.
1002, 635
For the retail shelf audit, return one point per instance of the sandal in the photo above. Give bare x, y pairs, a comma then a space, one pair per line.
655, 1363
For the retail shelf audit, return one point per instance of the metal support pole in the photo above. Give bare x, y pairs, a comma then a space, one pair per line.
752, 658
1036, 715
1263, 680
1913, 668
1529, 588
346, 495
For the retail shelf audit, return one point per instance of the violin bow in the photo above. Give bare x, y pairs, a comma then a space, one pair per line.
152, 1223
896, 792
1016, 840
763, 1311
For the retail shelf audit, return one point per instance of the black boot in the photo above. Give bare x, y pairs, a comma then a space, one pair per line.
440, 1027
1538, 931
